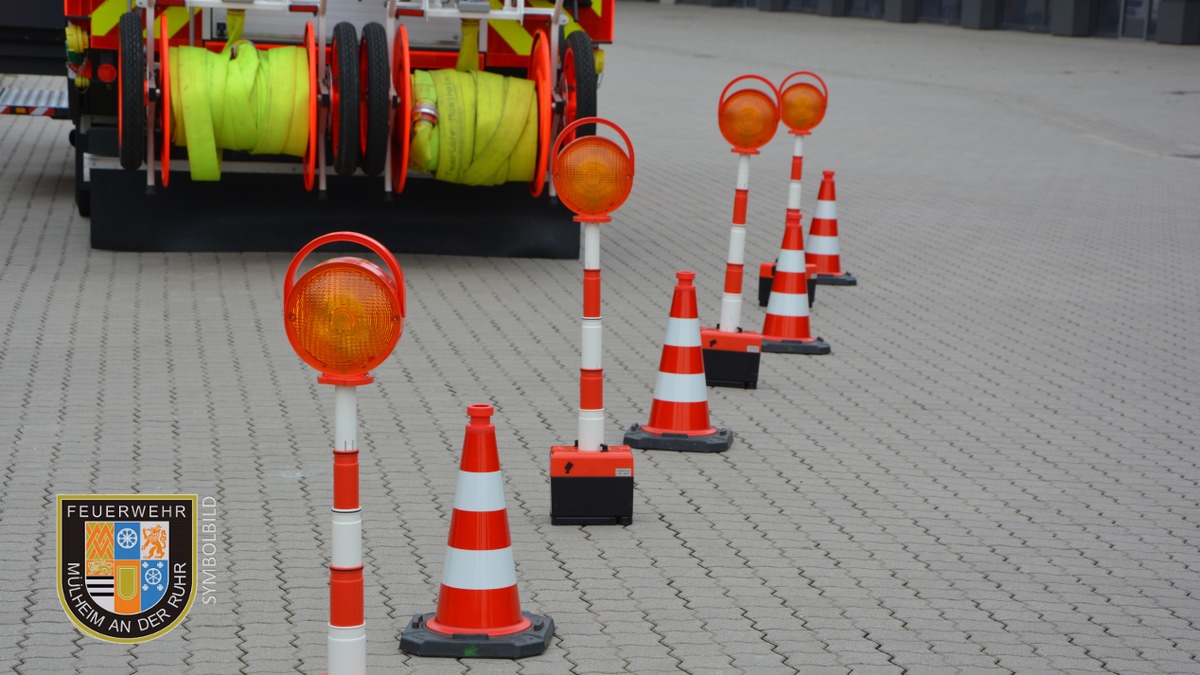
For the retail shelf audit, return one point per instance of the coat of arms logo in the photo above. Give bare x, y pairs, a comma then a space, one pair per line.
126, 563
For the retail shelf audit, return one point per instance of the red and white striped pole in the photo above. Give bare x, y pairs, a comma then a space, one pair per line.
591, 367
735, 263
591, 483
347, 639
747, 118
334, 294
795, 182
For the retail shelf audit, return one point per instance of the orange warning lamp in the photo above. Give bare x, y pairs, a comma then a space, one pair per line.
802, 104
749, 117
592, 175
344, 316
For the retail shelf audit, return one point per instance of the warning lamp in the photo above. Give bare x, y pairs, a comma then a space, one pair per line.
802, 105
592, 174
748, 117
344, 317
591, 483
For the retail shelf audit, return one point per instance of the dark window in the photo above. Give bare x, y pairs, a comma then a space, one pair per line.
941, 11
1028, 14
871, 9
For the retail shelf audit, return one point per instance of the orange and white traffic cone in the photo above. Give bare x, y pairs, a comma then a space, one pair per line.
479, 610
786, 327
679, 413
823, 248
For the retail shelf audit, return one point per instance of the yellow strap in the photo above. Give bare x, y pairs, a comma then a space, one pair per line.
235, 21
468, 50
194, 106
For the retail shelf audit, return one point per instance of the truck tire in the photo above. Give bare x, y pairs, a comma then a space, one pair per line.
375, 79
344, 114
131, 102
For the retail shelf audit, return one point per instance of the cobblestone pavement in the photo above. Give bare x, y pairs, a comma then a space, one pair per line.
995, 470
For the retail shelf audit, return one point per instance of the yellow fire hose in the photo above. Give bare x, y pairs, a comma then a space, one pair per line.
243, 98
473, 127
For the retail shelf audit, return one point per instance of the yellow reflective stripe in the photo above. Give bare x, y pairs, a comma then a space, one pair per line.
177, 19
515, 35
512, 32
106, 16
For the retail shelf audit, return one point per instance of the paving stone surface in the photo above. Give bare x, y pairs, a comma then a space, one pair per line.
994, 471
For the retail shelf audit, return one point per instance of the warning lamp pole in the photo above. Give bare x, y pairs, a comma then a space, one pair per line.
748, 119
344, 317
801, 108
591, 483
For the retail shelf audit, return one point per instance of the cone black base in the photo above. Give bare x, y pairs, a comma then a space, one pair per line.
419, 640
591, 488
815, 347
843, 279
718, 441
766, 280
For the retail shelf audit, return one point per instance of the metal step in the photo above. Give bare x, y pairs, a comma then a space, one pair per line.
47, 102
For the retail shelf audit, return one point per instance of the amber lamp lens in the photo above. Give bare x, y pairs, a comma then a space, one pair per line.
343, 317
593, 176
748, 119
803, 106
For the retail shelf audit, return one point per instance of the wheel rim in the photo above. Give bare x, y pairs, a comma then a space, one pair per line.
539, 72
310, 154
401, 120
164, 80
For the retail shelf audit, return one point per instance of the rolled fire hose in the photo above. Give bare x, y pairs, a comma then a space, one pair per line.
242, 98
473, 127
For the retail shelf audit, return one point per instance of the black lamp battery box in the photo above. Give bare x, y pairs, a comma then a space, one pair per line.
731, 359
591, 488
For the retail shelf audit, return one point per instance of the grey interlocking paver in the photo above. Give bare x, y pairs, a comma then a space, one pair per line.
993, 472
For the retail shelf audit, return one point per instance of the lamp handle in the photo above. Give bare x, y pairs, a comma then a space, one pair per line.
353, 238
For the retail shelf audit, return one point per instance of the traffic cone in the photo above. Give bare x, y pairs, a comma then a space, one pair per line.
786, 327
679, 413
823, 249
479, 610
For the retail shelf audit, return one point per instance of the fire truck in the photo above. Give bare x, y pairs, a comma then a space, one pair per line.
260, 124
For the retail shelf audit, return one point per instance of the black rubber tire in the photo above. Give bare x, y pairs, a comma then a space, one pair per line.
580, 46
83, 193
375, 78
344, 53
132, 74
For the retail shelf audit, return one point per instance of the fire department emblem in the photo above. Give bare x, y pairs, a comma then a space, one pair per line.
126, 563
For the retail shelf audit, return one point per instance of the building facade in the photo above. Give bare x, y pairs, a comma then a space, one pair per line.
1165, 21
